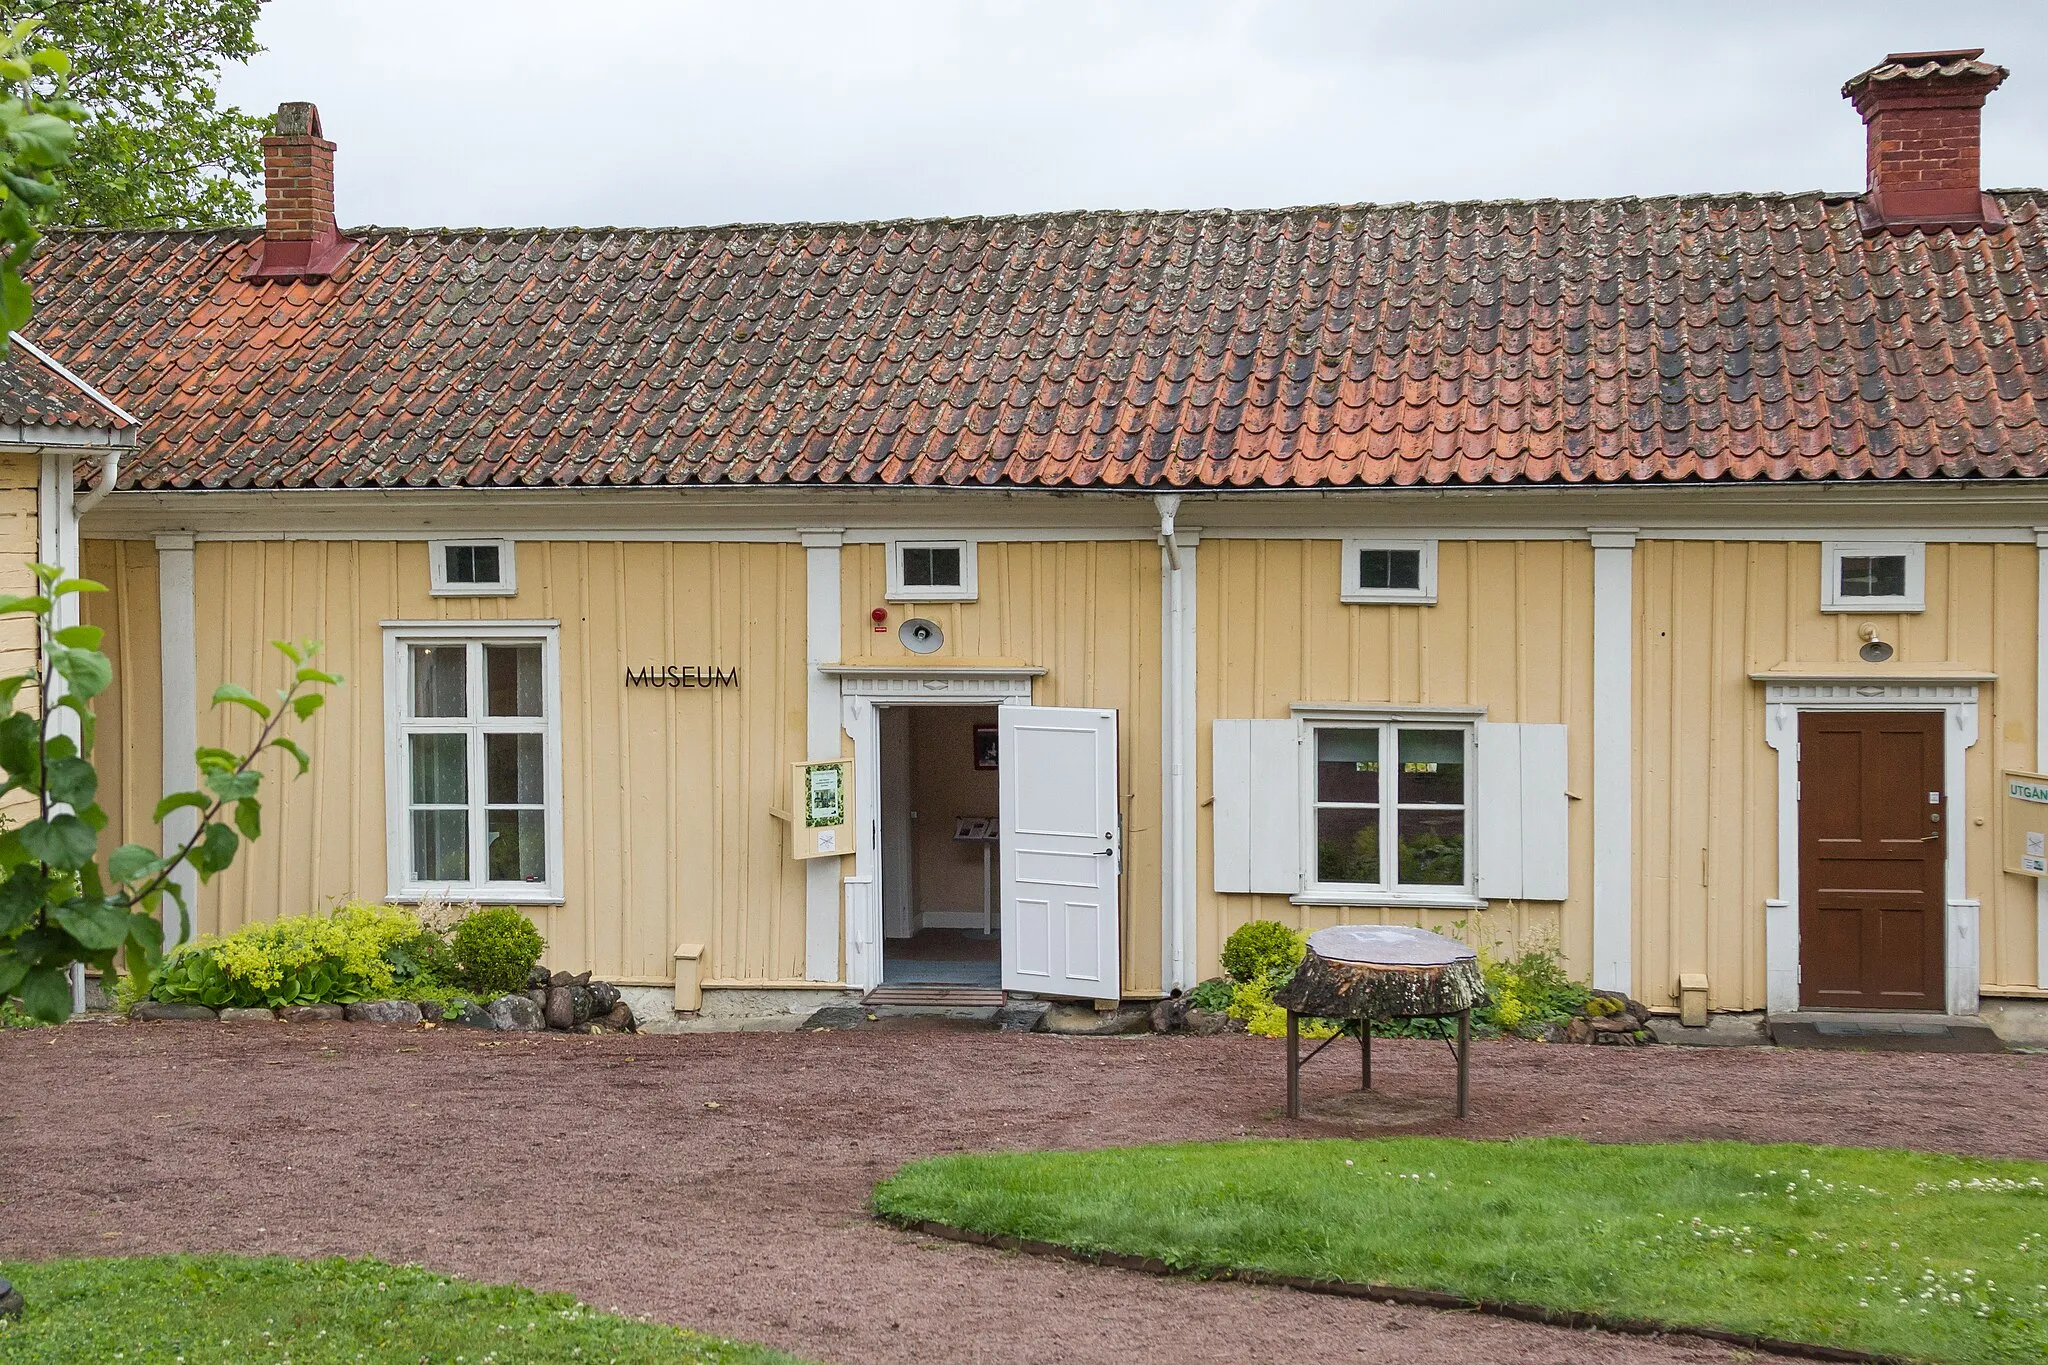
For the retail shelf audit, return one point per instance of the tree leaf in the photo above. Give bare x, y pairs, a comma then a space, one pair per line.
130, 863
206, 757
46, 994
72, 781
98, 924
230, 785
314, 675
21, 895
292, 748
79, 637
179, 801
37, 604
86, 670
62, 841
229, 693
249, 817
306, 703
216, 850
20, 741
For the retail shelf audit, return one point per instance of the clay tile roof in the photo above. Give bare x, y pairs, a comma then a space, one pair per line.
1743, 337
1912, 67
36, 391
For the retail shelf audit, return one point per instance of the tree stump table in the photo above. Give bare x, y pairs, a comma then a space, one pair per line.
1363, 972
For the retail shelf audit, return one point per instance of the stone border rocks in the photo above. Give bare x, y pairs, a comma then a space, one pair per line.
551, 1000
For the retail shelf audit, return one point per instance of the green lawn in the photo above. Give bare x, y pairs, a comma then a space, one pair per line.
1901, 1253
227, 1310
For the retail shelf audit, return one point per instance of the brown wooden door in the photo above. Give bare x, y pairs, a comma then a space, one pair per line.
1871, 816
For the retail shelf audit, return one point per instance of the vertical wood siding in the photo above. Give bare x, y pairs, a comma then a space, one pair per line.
20, 546
666, 792
1511, 630
1088, 613
128, 747
1709, 614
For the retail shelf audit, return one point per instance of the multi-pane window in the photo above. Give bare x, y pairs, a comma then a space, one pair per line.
471, 568
931, 566
474, 754
931, 571
1389, 807
1873, 577
1394, 571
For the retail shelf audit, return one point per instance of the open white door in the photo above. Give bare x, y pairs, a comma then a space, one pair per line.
1062, 851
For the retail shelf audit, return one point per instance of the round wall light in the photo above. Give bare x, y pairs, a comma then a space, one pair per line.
1874, 650
920, 636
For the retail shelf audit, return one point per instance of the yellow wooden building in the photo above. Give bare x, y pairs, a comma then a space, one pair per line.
1662, 579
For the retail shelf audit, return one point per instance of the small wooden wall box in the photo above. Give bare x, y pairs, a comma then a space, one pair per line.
689, 970
1692, 1000
820, 809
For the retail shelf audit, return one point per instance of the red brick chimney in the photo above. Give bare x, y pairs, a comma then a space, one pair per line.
1923, 113
300, 241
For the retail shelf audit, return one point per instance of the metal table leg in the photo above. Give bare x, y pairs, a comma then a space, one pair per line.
1464, 1058
1365, 1052
1293, 1065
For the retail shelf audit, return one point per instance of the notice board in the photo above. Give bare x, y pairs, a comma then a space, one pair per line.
821, 809
2025, 824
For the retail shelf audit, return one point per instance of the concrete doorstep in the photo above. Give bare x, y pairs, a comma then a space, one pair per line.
1883, 1031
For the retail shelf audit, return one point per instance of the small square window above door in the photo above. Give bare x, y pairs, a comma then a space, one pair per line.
1873, 576
471, 568
931, 571
1401, 571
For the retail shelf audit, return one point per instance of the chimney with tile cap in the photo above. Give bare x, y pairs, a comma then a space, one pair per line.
300, 240
1923, 115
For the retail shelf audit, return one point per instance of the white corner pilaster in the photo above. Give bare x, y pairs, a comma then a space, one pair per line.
822, 726
57, 543
2041, 739
177, 633
1177, 748
1614, 553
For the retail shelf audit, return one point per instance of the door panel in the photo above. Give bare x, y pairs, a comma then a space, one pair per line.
1871, 848
1061, 851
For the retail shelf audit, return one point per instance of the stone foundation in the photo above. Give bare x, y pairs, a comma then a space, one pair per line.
2020, 1023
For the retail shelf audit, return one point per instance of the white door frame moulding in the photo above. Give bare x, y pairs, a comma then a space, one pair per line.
1961, 940
860, 692
821, 740
178, 626
1614, 553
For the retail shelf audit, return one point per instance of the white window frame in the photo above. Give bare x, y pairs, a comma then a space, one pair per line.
1353, 590
899, 591
399, 639
1831, 555
1389, 722
507, 584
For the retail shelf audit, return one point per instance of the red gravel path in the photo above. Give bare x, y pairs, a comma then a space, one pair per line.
720, 1181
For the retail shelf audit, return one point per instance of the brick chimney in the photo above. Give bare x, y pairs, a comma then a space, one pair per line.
300, 241
1923, 114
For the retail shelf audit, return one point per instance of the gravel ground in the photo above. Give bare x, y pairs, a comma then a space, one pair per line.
720, 1181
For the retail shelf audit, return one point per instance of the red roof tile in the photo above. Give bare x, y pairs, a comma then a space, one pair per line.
1737, 337
37, 392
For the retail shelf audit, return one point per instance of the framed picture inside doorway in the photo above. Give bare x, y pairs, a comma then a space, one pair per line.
985, 746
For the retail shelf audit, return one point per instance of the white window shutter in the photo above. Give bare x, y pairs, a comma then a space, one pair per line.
1520, 821
1546, 813
1256, 813
1494, 823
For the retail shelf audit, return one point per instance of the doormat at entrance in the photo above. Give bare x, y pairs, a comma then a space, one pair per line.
1884, 1033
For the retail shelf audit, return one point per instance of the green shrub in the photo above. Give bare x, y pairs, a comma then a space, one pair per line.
1261, 950
1529, 990
494, 949
357, 953
1213, 994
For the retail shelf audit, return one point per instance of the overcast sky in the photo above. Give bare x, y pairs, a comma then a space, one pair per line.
515, 112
